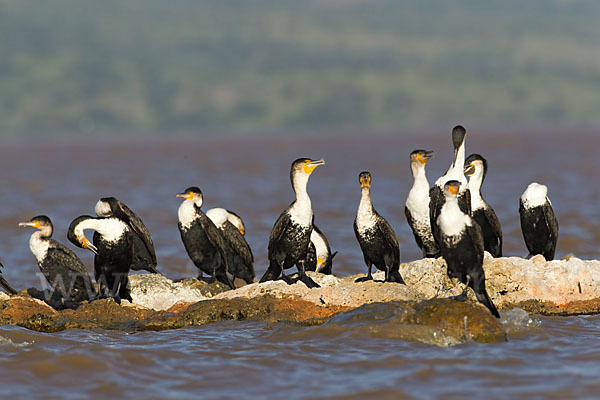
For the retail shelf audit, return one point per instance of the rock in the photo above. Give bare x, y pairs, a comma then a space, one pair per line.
160, 293
4, 296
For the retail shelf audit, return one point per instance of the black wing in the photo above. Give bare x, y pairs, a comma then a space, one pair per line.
390, 237
411, 223
279, 229
492, 219
237, 242
551, 221
436, 201
474, 231
213, 234
5, 284
464, 202
68, 258
135, 223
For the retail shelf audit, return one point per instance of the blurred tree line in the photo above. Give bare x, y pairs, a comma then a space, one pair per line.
163, 67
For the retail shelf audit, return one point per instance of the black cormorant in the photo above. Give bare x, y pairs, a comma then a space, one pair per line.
417, 205
376, 237
461, 245
202, 239
481, 211
5, 284
240, 261
319, 256
113, 249
455, 172
144, 256
538, 222
63, 270
290, 237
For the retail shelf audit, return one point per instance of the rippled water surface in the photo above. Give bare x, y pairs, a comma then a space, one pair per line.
557, 359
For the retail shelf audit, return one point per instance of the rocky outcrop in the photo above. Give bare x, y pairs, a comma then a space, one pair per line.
418, 310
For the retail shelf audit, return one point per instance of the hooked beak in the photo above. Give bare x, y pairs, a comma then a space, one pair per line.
425, 157
469, 169
311, 165
187, 196
34, 224
86, 244
365, 182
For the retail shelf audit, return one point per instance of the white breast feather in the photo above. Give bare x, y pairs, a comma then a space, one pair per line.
111, 229
365, 217
187, 214
536, 195
452, 221
38, 247
301, 212
320, 246
418, 202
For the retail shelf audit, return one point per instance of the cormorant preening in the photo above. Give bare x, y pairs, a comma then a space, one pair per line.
63, 270
538, 222
144, 256
201, 238
240, 261
319, 256
482, 212
461, 245
376, 237
417, 205
5, 284
455, 172
290, 237
113, 249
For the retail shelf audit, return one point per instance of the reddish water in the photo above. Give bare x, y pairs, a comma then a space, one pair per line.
64, 180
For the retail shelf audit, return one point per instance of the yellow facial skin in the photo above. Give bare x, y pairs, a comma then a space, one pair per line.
320, 262
470, 170
365, 181
33, 224
453, 189
187, 196
86, 244
309, 166
423, 158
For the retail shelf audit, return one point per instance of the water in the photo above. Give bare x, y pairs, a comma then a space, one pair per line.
556, 358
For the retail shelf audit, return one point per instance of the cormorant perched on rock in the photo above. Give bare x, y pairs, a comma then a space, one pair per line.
461, 245
64, 271
201, 238
481, 211
538, 222
5, 284
240, 261
417, 205
455, 172
290, 237
144, 256
319, 256
113, 249
376, 237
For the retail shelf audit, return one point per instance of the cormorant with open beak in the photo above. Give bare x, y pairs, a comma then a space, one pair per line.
113, 252
4, 283
417, 205
376, 237
144, 256
201, 238
461, 245
482, 212
538, 221
240, 260
63, 270
319, 256
455, 172
290, 237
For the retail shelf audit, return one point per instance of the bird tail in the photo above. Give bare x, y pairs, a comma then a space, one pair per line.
394, 276
484, 299
328, 267
271, 273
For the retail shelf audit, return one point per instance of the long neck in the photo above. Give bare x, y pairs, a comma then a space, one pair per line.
38, 244
365, 207
299, 183
110, 228
459, 157
418, 171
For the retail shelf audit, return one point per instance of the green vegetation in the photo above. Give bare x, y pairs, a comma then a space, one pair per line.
156, 66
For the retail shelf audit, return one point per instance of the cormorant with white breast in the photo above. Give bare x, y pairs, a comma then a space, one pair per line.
376, 237
4, 283
113, 253
481, 211
538, 221
63, 270
319, 256
290, 237
240, 260
461, 245
417, 205
455, 172
144, 256
201, 238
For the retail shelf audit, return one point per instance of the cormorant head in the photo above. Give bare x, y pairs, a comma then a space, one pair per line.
305, 166
40, 222
475, 163
192, 193
236, 220
451, 188
365, 179
76, 236
458, 136
105, 207
420, 157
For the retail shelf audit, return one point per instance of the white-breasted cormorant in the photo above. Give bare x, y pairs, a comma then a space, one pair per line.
376, 237
319, 256
240, 260
201, 238
417, 205
538, 221
63, 270
5, 284
461, 245
481, 211
455, 172
290, 236
113, 252
144, 256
